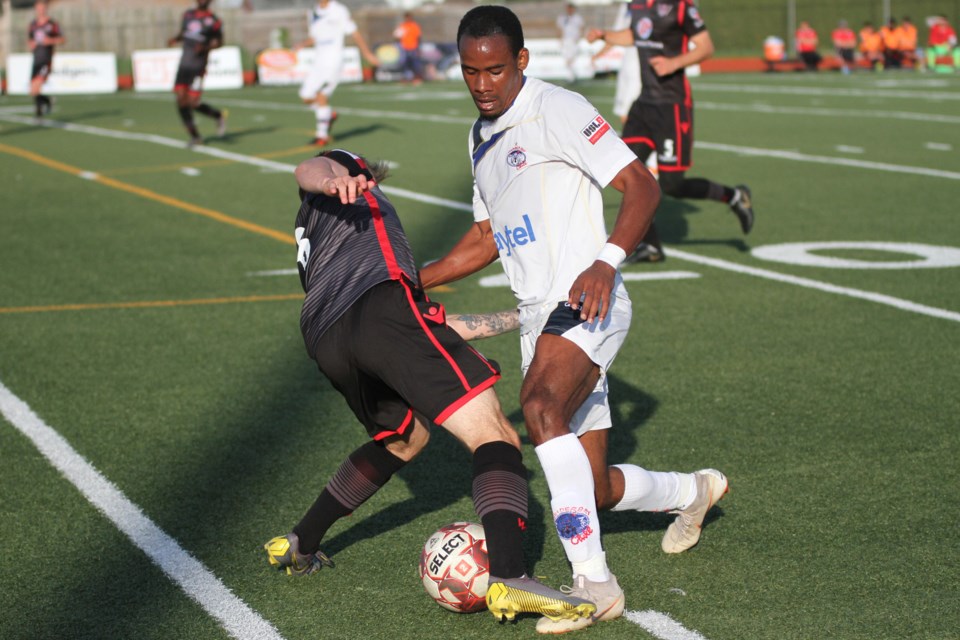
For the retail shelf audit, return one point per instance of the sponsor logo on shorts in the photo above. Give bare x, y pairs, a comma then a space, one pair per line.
574, 525
595, 130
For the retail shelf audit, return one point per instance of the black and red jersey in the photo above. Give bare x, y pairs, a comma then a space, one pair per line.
663, 28
197, 30
345, 249
39, 34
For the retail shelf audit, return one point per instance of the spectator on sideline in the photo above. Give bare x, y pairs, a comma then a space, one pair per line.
43, 35
845, 43
871, 46
200, 32
890, 33
408, 35
943, 56
807, 42
329, 22
570, 24
774, 51
908, 43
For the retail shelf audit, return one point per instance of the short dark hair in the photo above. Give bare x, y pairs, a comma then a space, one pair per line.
492, 20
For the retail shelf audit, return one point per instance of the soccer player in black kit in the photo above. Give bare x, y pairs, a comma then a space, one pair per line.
661, 119
43, 35
200, 32
395, 358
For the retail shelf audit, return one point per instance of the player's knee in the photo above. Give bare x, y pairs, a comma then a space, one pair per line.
544, 420
671, 183
409, 445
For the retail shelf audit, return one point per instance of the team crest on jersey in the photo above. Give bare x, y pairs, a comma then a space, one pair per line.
694, 15
517, 158
644, 28
595, 130
663, 10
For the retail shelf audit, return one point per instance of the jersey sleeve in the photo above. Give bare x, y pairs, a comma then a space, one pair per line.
583, 138
690, 21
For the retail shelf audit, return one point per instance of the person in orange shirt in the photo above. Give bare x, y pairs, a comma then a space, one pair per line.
807, 42
908, 42
844, 42
408, 35
871, 46
890, 33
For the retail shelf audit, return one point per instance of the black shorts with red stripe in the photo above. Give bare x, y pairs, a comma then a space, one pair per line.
392, 354
664, 128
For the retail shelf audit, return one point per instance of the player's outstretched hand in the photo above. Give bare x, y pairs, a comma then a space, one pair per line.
347, 187
595, 34
591, 291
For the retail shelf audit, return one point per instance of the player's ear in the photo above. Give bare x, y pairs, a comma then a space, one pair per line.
523, 59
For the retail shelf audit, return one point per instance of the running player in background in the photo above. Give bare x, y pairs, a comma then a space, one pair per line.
570, 26
200, 32
661, 119
844, 43
329, 23
43, 35
388, 349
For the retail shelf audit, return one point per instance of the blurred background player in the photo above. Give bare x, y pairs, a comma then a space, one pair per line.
908, 43
43, 35
774, 51
845, 44
408, 35
628, 76
570, 24
807, 43
890, 34
200, 32
329, 24
661, 119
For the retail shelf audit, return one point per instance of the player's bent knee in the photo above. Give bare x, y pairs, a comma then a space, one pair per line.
409, 445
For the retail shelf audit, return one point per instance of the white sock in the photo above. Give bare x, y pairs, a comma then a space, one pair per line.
654, 490
567, 468
323, 120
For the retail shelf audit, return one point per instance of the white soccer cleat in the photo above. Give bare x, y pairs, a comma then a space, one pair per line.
608, 596
684, 532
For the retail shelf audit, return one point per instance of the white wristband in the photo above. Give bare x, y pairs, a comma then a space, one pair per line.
612, 254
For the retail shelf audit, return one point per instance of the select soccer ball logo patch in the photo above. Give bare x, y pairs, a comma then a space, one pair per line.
595, 130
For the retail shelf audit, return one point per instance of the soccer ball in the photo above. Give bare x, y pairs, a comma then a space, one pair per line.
454, 567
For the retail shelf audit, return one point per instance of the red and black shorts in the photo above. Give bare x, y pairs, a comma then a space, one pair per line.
191, 78
392, 354
664, 128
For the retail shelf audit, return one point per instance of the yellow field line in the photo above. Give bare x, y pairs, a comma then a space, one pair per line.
150, 304
286, 238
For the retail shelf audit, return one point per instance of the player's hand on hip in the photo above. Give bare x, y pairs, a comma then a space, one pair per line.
591, 291
663, 66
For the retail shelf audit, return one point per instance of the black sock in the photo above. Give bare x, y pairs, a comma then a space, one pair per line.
38, 104
652, 237
359, 477
186, 114
500, 498
208, 111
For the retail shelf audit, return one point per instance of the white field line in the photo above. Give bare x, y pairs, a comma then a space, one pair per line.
662, 626
807, 283
898, 303
829, 112
830, 92
239, 620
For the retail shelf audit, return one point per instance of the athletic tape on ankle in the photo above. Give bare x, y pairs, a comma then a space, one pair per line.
612, 254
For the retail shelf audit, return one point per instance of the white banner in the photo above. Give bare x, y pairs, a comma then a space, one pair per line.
546, 59
71, 73
285, 66
156, 69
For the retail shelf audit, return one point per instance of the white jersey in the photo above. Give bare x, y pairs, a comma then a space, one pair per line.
538, 173
571, 27
328, 26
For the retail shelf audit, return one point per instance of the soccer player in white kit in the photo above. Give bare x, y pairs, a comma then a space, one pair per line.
541, 155
570, 25
329, 24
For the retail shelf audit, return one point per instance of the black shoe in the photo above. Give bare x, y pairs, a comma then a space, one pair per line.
646, 253
742, 207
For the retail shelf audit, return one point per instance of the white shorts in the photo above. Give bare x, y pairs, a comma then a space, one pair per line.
628, 83
601, 343
320, 79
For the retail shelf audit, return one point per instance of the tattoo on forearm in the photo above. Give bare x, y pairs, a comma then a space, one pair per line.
486, 325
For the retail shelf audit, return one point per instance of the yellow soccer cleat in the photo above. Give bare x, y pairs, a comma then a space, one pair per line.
283, 552
506, 597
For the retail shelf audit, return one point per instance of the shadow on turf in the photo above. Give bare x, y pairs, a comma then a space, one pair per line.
674, 228
58, 123
233, 134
